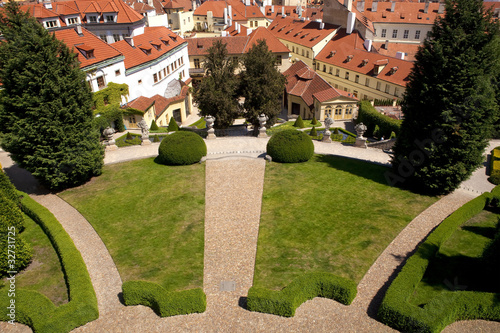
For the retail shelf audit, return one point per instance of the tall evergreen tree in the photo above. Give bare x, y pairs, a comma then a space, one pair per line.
45, 113
262, 84
449, 104
216, 95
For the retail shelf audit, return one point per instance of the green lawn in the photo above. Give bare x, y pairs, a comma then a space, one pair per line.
150, 217
330, 214
289, 125
200, 123
457, 265
44, 274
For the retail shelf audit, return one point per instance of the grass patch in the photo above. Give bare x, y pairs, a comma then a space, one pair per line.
123, 142
200, 123
44, 274
289, 125
329, 214
150, 217
457, 265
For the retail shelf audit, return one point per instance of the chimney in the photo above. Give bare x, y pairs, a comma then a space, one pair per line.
351, 20
426, 8
386, 45
223, 33
368, 44
393, 6
441, 8
348, 4
321, 26
129, 40
239, 29
249, 31
360, 6
283, 10
225, 16
79, 31
272, 9
193, 3
374, 6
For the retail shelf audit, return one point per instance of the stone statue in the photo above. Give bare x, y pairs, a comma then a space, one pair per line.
328, 123
209, 120
110, 143
262, 125
360, 130
144, 131
326, 135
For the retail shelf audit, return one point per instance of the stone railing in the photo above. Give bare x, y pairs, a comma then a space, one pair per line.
383, 145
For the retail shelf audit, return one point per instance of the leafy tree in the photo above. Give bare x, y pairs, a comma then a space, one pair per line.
45, 112
262, 84
449, 104
216, 95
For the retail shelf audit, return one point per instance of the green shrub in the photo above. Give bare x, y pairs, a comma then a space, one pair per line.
299, 123
313, 132
172, 125
153, 126
314, 121
393, 135
6, 187
369, 116
290, 146
495, 167
164, 303
36, 310
129, 136
10, 215
181, 148
376, 131
337, 137
446, 308
306, 287
156, 138
335, 130
23, 253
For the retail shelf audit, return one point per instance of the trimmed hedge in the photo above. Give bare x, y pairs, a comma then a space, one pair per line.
7, 188
154, 126
36, 310
164, 303
313, 132
495, 167
446, 308
181, 148
290, 146
369, 116
306, 287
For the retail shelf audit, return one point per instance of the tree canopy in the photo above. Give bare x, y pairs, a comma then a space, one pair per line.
262, 84
45, 104
449, 104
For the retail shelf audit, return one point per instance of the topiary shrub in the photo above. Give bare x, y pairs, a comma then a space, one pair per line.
172, 125
299, 123
290, 146
336, 131
129, 136
313, 132
153, 126
393, 135
156, 138
181, 148
314, 121
7, 189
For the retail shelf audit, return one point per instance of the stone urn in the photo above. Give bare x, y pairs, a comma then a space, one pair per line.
262, 125
360, 140
326, 135
109, 142
209, 120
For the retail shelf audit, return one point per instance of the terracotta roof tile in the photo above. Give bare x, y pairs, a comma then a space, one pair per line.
408, 49
235, 45
186, 5
309, 32
273, 43
343, 45
39, 11
313, 13
404, 12
161, 103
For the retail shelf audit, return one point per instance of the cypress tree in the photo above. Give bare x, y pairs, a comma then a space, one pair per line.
45, 112
449, 104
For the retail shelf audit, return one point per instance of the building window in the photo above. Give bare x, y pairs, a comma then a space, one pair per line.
116, 37
155, 77
168, 70
378, 85
251, 24
51, 24
347, 75
328, 111
92, 19
324, 68
303, 52
100, 82
278, 60
117, 72
356, 79
348, 110
317, 66
110, 18
417, 34
172, 67
396, 92
331, 70
367, 82
395, 33
139, 82
196, 63
387, 87
293, 49
406, 33
338, 110
72, 20
337, 72
103, 37
384, 33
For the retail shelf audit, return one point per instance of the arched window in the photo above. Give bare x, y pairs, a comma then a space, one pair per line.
328, 111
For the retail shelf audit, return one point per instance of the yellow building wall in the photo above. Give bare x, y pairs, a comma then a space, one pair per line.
305, 112
296, 51
336, 109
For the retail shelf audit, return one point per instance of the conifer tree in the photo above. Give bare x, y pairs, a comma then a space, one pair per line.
172, 125
154, 126
261, 84
45, 112
449, 104
217, 95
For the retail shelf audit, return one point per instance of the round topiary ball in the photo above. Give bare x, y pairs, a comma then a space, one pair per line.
181, 148
290, 146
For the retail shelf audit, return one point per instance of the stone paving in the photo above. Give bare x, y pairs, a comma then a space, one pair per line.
230, 248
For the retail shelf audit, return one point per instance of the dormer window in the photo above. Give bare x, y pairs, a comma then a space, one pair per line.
303, 36
314, 38
174, 38
289, 31
298, 33
393, 70
86, 51
146, 50
91, 18
379, 66
72, 21
332, 53
165, 41
156, 46
109, 18
349, 58
51, 24
364, 62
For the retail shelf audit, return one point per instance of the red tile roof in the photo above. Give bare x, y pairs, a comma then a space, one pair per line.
409, 49
87, 42
313, 13
134, 56
161, 103
304, 82
240, 12
273, 43
39, 11
186, 5
216, 7
343, 45
234, 32
306, 33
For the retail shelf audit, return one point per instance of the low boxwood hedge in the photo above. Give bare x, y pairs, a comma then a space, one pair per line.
181, 148
308, 286
397, 312
290, 146
369, 116
36, 310
495, 167
164, 303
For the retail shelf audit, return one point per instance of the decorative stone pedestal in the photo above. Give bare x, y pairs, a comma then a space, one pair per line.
360, 142
262, 128
145, 142
209, 120
211, 134
111, 147
262, 133
326, 137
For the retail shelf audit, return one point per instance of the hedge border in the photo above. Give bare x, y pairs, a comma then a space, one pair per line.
162, 302
36, 310
308, 286
396, 311
369, 116
495, 166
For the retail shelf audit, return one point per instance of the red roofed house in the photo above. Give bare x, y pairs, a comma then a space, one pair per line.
308, 95
111, 20
345, 63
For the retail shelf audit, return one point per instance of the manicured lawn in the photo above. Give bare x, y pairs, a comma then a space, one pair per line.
289, 125
457, 265
44, 274
330, 214
200, 123
150, 217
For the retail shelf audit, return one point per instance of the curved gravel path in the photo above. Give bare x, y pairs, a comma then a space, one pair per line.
228, 253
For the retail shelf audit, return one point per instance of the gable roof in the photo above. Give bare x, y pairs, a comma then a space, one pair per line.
161, 103
306, 33
304, 82
273, 43
311, 13
342, 46
135, 56
186, 5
